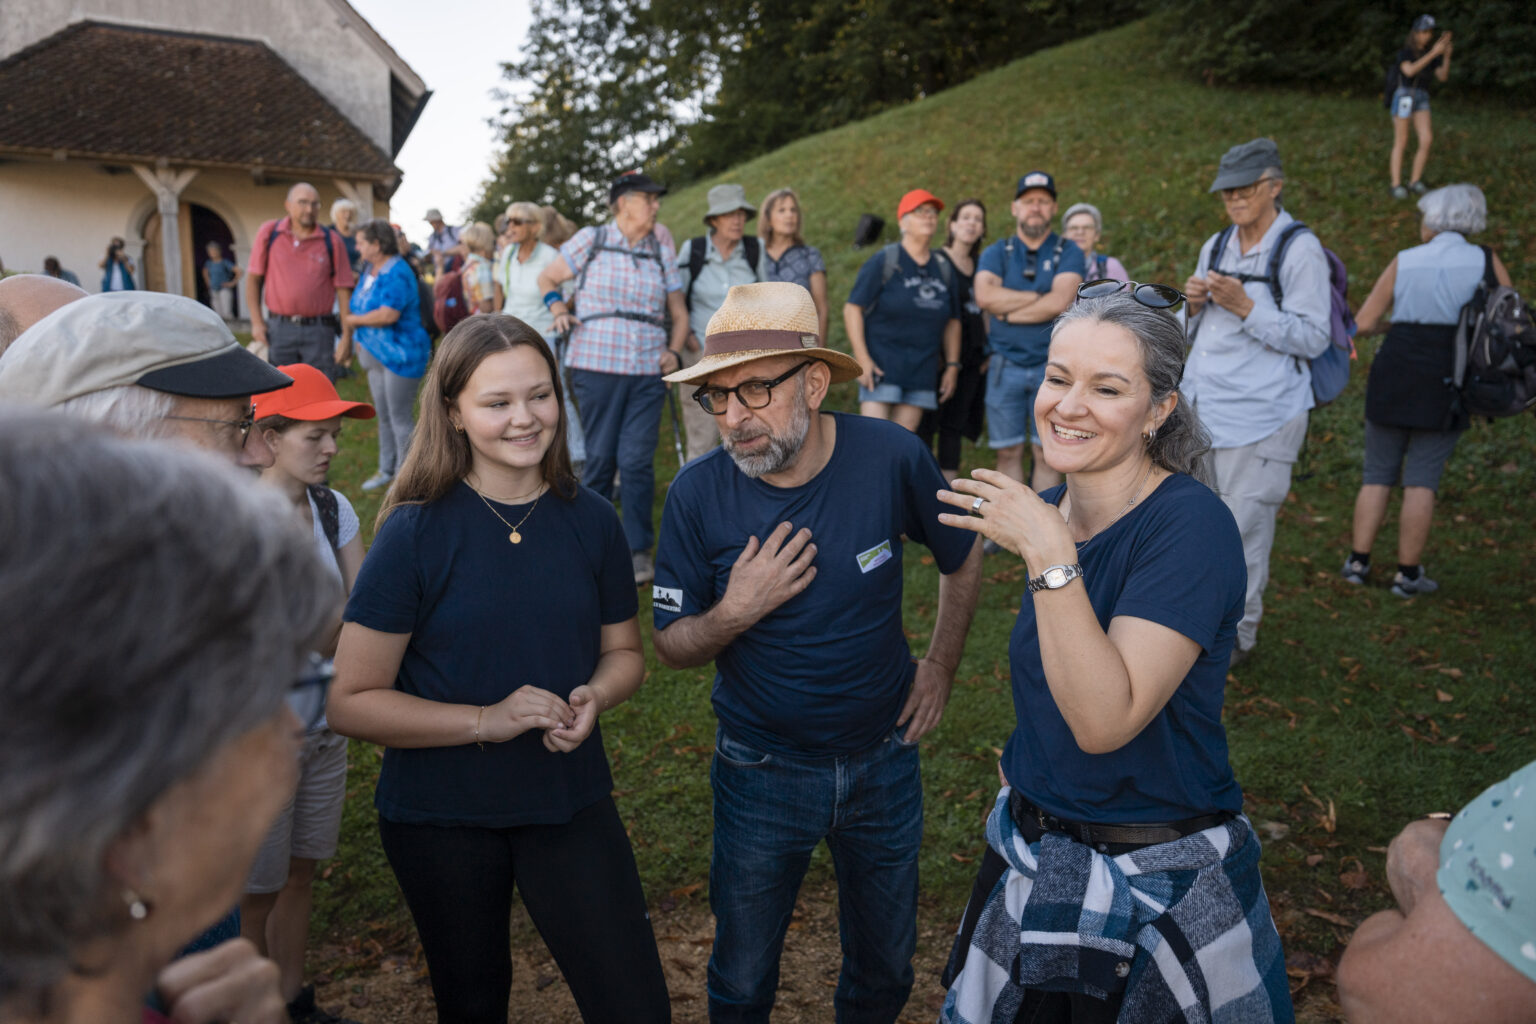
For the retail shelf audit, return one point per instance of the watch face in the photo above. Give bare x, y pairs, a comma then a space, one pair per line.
1055, 577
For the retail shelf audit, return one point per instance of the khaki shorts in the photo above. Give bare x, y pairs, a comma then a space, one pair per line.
311, 823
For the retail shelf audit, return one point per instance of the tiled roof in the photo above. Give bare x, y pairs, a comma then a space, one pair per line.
131, 95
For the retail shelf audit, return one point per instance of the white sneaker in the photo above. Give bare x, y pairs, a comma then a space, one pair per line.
376, 481
1402, 586
645, 569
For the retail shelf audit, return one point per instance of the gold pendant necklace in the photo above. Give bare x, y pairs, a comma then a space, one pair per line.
514, 536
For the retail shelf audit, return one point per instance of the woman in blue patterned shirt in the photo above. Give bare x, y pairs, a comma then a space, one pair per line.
789, 258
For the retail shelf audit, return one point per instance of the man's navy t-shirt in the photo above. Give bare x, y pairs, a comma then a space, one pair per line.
905, 333
826, 672
486, 617
1027, 344
1177, 560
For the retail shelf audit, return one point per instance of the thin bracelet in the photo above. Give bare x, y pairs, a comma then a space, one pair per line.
477, 727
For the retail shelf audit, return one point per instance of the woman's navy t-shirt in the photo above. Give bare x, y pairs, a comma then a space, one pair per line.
487, 616
905, 333
1177, 560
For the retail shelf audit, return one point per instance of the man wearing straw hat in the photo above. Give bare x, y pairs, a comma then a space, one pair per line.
780, 559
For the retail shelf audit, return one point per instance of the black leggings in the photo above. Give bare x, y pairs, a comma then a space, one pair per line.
579, 883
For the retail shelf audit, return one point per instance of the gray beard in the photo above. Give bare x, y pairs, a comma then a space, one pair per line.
781, 450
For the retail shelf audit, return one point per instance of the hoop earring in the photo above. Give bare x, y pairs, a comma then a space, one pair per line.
138, 907
1150, 436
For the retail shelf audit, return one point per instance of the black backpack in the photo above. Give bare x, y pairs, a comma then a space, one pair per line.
330, 513
1495, 369
698, 251
891, 262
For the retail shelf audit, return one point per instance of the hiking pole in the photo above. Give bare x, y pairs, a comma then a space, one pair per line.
677, 425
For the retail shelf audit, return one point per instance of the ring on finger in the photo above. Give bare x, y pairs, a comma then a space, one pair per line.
976, 506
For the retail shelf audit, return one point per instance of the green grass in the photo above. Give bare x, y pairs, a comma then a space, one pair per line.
1361, 711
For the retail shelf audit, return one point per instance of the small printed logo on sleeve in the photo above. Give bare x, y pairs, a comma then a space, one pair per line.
666, 599
875, 556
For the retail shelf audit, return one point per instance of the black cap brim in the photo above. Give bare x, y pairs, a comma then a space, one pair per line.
232, 373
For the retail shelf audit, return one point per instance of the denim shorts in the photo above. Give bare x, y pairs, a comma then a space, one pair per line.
1419, 98
895, 394
1011, 390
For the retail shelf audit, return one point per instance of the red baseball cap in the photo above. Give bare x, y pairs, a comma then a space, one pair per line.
917, 197
312, 397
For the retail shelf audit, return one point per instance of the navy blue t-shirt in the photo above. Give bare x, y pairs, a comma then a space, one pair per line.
1176, 560
826, 672
1027, 344
487, 616
905, 333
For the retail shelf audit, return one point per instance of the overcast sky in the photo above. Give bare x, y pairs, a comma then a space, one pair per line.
457, 49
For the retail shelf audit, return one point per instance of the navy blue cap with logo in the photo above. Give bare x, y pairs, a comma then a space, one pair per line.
1036, 179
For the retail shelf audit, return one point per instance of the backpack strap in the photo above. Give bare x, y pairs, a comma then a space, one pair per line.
1282, 245
1490, 279
330, 513
890, 262
698, 251
1102, 262
266, 255
1219, 247
946, 268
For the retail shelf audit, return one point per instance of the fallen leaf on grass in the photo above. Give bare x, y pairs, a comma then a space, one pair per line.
687, 890
1356, 879
1443, 697
1454, 673
1329, 916
1274, 831
1486, 748
1314, 859
962, 858
1301, 964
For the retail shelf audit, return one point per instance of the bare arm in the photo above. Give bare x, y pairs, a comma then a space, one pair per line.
619, 672
1500, 274
1421, 963
1049, 305
950, 378
677, 306
819, 296
253, 306
383, 316
365, 704
1369, 319
550, 280
765, 576
853, 324
935, 677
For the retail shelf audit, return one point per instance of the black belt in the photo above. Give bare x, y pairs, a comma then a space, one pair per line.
328, 319
1032, 819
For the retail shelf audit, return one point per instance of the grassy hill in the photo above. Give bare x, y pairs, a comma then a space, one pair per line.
1361, 711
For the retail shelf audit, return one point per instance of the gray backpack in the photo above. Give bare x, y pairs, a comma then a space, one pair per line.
1495, 372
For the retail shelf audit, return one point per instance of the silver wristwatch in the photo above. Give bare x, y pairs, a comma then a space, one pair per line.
1055, 577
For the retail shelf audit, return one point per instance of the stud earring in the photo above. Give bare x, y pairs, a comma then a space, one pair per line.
138, 909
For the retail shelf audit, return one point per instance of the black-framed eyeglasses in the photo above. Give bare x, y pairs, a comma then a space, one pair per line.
306, 697
243, 424
754, 394
1243, 191
1153, 296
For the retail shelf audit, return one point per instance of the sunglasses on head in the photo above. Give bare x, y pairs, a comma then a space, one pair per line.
1153, 296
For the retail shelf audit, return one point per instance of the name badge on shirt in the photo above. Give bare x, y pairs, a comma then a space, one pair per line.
875, 556
666, 599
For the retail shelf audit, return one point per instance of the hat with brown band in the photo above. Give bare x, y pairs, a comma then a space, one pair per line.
763, 321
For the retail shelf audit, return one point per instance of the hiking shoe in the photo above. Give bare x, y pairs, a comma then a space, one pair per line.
376, 481
1402, 586
1398, 192
1355, 572
645, 569
1418, 188
304, 1011
1240, 655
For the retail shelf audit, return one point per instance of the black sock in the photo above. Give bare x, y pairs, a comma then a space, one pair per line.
1363, 557
1409, 571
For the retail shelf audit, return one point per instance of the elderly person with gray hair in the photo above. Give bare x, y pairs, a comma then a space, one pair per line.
1413, 416
344, 220
1083, 224
146, 748
1121, 879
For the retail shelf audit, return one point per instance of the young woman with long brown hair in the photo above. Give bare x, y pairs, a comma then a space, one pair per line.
493, 620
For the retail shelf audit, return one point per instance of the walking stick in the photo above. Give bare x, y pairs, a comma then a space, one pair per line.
677, 425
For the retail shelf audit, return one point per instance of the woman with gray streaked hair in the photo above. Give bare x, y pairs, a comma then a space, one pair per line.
1119, 661
1083, 224
145, 746
1413, 418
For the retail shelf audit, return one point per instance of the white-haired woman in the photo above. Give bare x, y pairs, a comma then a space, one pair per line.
478, 275
1083, 224
1412, 416
146, 749
1119, 795
344, 220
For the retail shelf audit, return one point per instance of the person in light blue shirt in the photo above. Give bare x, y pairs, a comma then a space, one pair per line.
730, 257
1249, 373
1413, 417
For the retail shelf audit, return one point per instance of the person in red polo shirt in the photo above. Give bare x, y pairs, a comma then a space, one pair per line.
305, 270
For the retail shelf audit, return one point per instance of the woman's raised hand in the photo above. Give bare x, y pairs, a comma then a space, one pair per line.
1012, 515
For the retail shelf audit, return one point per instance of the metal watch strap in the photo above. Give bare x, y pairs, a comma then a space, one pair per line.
1071, 572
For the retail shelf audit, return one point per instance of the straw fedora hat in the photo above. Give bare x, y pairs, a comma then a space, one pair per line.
760, 321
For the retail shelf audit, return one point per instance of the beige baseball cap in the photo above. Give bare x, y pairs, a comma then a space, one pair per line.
163, 342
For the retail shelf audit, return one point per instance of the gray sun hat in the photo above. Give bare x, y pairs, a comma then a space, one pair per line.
1246, 164
728, 199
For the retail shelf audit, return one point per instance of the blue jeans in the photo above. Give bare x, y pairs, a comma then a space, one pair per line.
1011, 391
770, 812
622, 418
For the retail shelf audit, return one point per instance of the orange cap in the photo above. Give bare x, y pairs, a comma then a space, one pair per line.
917, 197
312, 397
